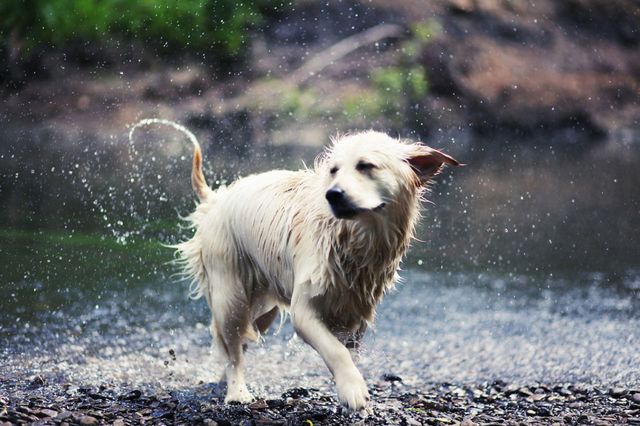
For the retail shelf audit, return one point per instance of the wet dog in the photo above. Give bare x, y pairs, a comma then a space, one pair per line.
323, 244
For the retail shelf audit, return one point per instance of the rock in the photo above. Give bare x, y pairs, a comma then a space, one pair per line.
389, 377
64, 415
36, 382
411, 421
45, 412
209, 422
260, 404
275, 403
544, 412
88, 420
296, 393
635, 398
118, 422
131, 396
525, 391
617, 392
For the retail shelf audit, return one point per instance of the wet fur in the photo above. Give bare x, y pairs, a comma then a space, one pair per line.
270, 242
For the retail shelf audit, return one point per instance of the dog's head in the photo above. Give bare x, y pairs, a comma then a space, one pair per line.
365, 172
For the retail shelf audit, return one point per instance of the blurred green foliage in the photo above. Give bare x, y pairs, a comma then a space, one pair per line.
394, 83
397, 91
200, 25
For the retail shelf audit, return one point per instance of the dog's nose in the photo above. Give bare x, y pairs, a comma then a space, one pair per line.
335, 195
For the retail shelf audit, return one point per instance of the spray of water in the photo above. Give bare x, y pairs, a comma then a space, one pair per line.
178, 127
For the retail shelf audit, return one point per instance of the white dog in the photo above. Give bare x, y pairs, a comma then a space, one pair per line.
324, 244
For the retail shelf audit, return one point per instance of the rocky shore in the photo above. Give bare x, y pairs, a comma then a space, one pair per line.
392, 403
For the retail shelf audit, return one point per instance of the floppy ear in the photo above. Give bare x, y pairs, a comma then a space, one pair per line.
427, 162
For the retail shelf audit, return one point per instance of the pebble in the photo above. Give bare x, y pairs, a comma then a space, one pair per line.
467, 405
388, 377
617, 392
64, 415
88, 420
260, 404
48, 413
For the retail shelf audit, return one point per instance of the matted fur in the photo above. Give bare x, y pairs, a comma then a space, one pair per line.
271, 242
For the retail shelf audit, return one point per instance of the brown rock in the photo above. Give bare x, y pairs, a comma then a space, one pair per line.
260, 404
45, 412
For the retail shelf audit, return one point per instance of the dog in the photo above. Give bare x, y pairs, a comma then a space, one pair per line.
323, 244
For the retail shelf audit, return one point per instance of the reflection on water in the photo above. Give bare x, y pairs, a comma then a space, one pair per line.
530, 207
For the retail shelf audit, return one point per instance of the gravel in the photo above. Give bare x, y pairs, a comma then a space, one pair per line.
393, 403
446, 349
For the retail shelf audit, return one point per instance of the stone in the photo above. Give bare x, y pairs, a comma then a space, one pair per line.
88, 420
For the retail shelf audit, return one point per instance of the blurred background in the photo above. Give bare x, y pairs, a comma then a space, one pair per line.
540, 99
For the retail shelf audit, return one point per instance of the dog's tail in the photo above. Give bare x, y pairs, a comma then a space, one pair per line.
198, 181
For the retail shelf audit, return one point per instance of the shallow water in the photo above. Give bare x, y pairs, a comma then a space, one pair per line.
94, 302
436, 327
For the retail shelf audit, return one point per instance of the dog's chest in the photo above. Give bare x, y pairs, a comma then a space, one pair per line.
356, 285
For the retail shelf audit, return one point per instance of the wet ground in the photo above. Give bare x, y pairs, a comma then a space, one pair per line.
446, 348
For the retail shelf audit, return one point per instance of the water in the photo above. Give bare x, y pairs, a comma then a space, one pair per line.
120, 327
526, 270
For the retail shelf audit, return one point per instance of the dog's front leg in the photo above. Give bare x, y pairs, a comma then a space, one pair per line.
351, 387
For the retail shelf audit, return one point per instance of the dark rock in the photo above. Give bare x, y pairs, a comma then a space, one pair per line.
296, 393
617, 392
545, 412
275, 403
131, 396
389, 377
45, 412
36, 382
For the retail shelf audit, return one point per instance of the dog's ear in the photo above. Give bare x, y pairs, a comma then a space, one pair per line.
428, 162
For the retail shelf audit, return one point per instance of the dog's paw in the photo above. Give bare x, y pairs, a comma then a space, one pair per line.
240, 395
352, 391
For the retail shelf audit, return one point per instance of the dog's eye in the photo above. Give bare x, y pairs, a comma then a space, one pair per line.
333, 170
363, 166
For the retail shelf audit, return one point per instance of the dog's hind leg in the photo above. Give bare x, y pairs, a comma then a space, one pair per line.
231, 323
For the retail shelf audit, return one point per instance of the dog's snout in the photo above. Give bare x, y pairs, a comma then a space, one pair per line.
335, 195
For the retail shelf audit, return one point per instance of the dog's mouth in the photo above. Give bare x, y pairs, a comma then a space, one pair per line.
350, 212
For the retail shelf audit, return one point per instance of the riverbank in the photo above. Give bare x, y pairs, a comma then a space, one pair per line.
392, 403
445, 348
